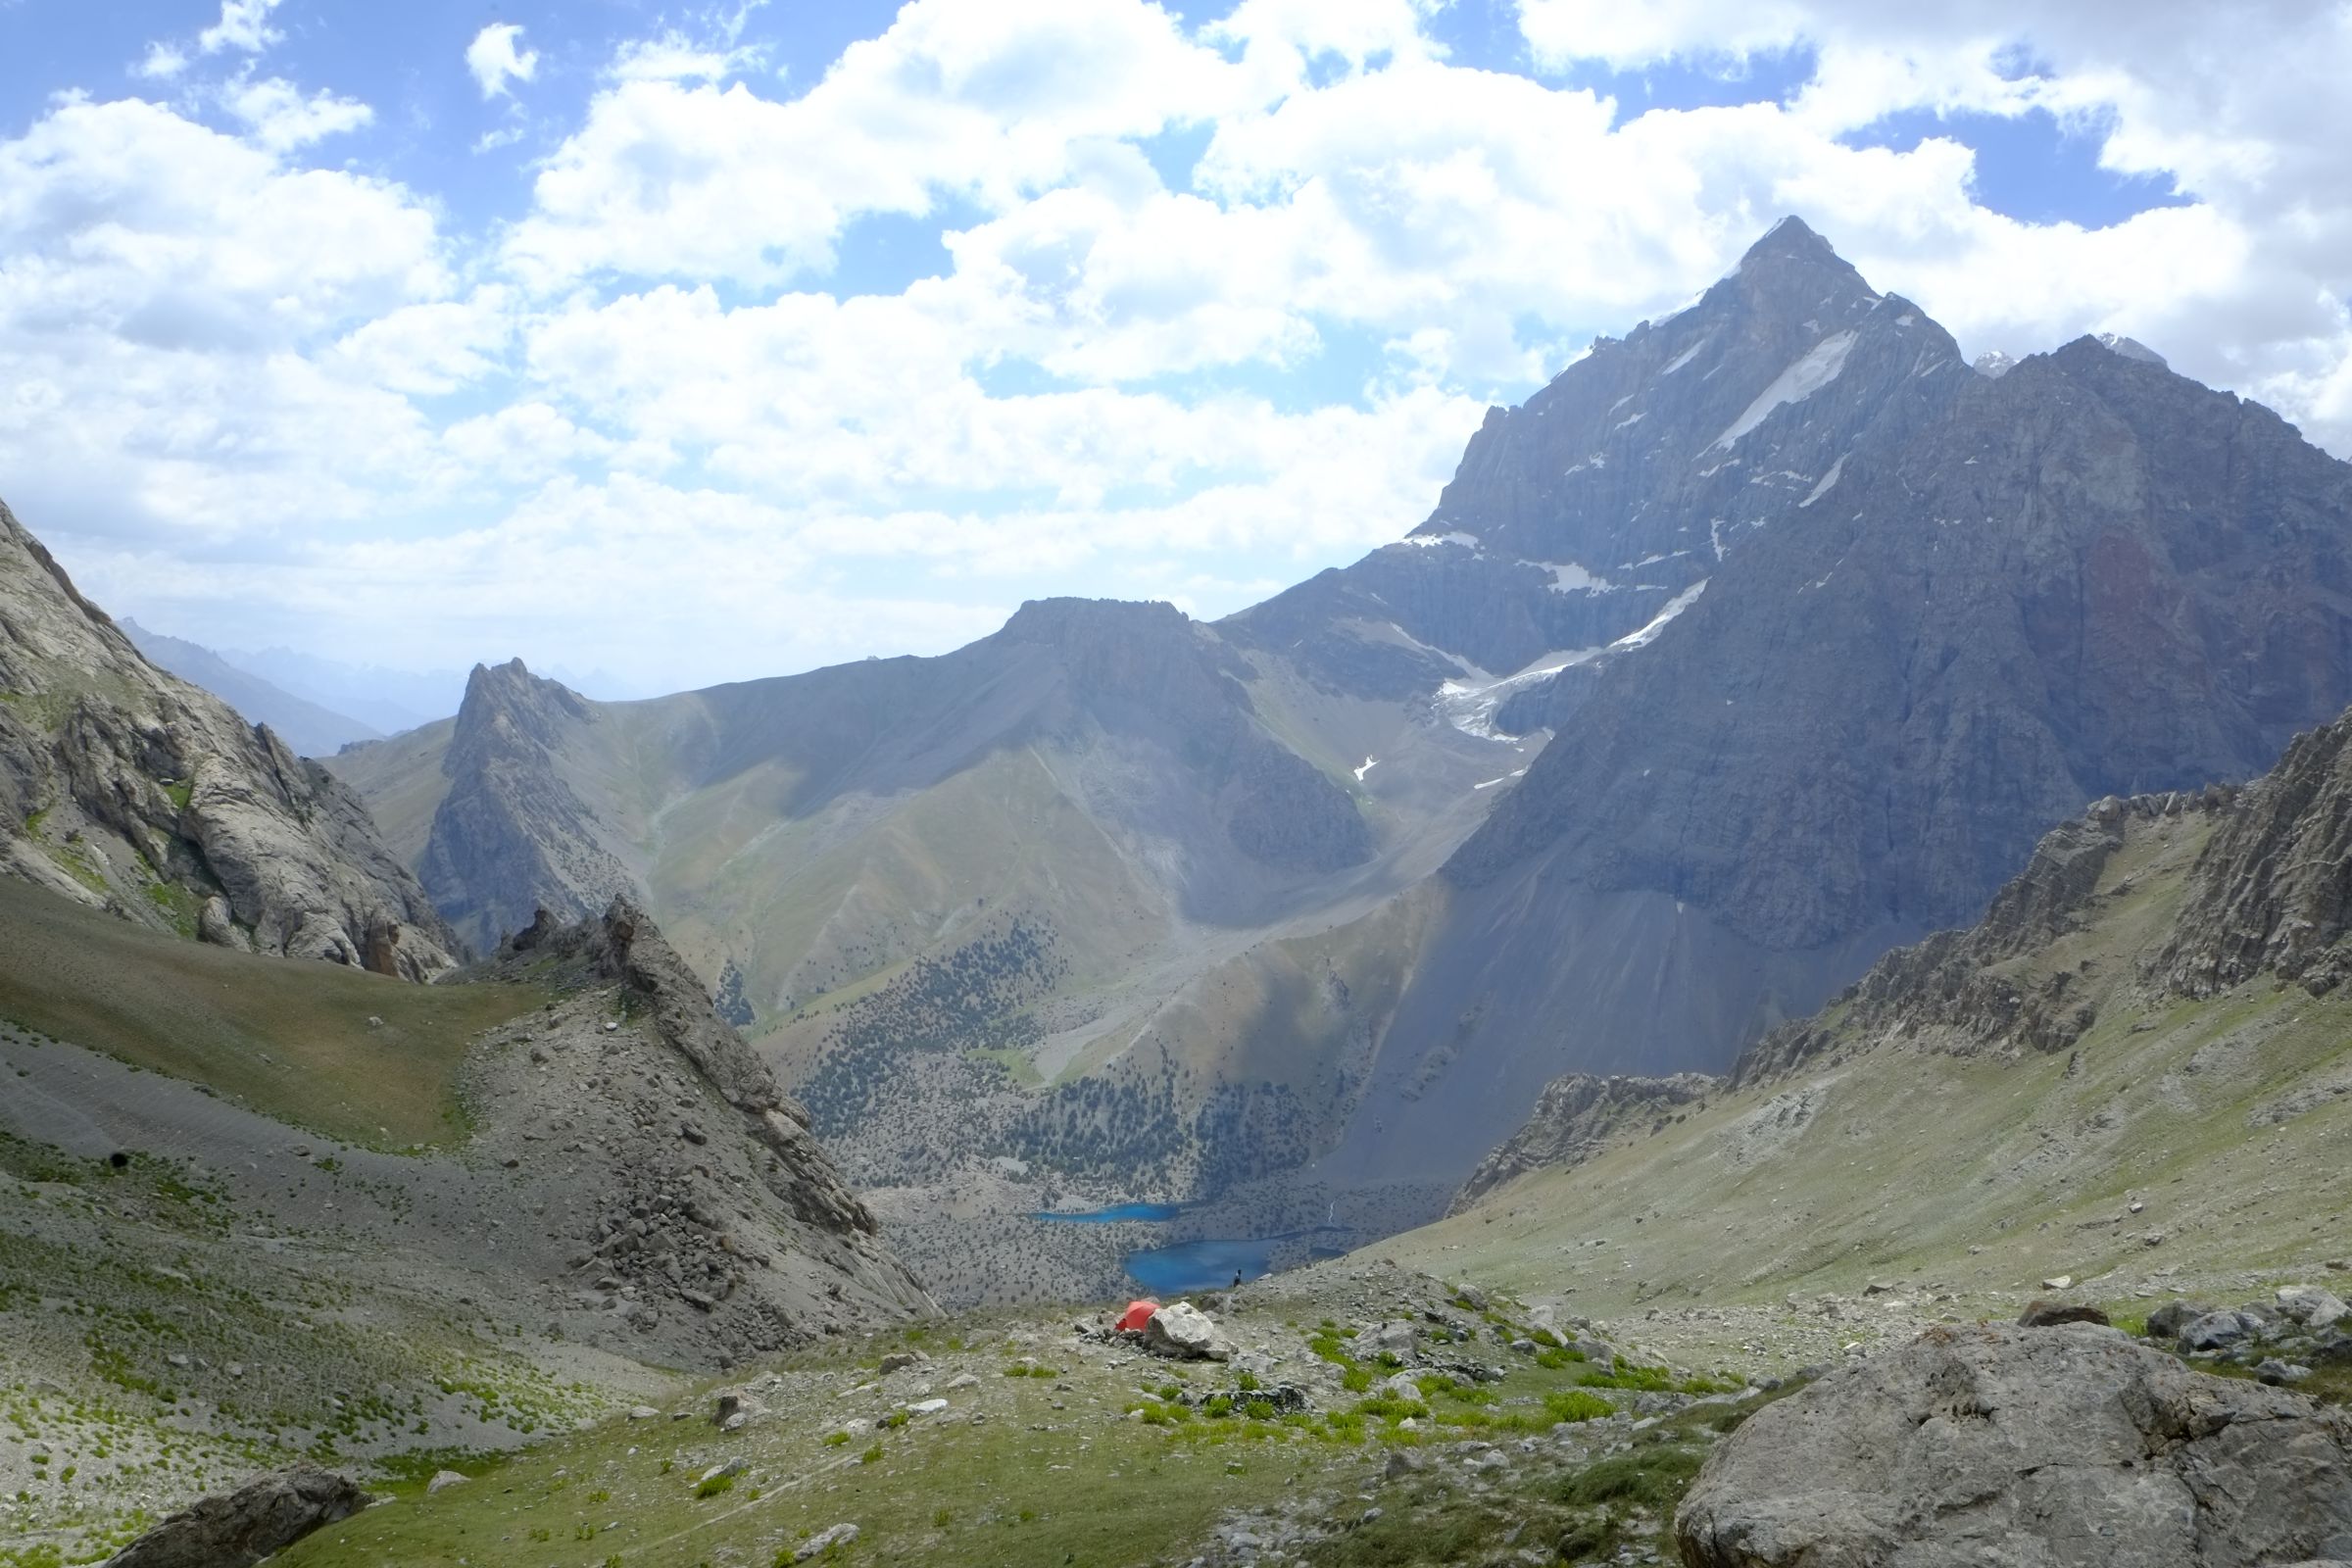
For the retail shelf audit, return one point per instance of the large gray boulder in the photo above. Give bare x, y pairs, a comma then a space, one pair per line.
258, 1520
2017, 1447
1184, 1331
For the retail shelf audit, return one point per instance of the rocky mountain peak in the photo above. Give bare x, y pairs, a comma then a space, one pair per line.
513, 837
127, 789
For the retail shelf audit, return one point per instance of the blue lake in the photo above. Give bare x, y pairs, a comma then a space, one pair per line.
1200, 1265
1211, 1265
1113, 1215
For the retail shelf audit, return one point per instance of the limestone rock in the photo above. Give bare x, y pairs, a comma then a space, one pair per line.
2311, 1305
824, 1541
127, 789
442, 1481
258, 1520
1183, 1331
2010, 1448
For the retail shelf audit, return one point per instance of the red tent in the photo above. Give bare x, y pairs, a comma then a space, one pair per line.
1137, 1315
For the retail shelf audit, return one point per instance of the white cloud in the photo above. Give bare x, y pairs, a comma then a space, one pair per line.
244, 25
164, 284
282, 118
163, 62
644, 406
983, 102
496, 58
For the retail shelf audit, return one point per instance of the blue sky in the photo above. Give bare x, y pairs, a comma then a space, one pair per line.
703, 343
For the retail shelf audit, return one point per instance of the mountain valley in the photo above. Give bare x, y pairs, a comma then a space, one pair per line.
1758, 643
1813, 883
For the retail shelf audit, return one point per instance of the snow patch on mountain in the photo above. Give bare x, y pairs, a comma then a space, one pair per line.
1674, 606
1816, 370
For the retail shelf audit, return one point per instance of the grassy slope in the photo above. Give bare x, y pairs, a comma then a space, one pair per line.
1979, 1169
1021, 1470
402, 779
290, 1039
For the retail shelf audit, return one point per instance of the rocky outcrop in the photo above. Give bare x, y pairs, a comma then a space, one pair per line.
512, 836
1966, 981
2037, 1447
1575, 1116
721, 1227
259, 1520
2271, 894
127, 789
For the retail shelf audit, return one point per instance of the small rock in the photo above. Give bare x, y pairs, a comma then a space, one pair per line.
442, 1481
962, 1380
719, 1472
899, 1362
926, 1407
2281, 1374
2058, 1282
643, 1412
734, 1408
693, 1134
2049, 1314
824, 1541
612, 1028
1402, 1462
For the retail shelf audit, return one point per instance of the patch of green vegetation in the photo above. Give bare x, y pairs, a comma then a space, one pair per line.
289, 1040
180, 794
713, 1486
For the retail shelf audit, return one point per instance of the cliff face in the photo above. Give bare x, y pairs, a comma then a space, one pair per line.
512, 837
1576, 1115
129, 790
2273, 892
1924, 616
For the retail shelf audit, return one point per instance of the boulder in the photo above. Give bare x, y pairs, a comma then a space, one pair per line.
2311, 1305
735, 1409
258, 1520
824, 1541
2013, 1448
2168, 1320
442, 1481
2049, 1314
1185, 1332
2218, 1331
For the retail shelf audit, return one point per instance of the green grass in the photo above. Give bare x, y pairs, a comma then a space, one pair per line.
288, 1038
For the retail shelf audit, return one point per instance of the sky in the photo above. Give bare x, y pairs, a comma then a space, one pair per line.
699, 344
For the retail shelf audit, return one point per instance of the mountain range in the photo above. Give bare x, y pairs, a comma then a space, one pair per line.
309, 728
1809, 839
1759, 642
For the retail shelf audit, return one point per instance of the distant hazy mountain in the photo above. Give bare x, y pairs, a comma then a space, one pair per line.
395, 700
312, 730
